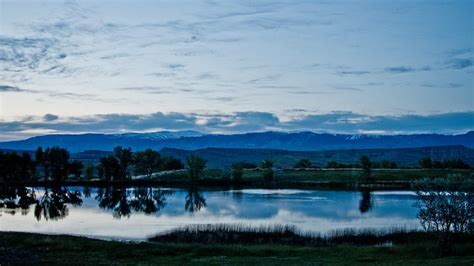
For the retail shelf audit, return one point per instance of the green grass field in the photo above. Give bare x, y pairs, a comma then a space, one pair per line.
23, 248
330, 175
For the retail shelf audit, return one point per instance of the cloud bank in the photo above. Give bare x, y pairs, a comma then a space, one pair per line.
240, 122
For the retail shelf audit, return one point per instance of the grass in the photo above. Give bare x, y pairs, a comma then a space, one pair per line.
25, 248
335, 175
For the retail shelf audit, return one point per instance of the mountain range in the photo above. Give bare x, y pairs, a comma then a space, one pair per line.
192, 140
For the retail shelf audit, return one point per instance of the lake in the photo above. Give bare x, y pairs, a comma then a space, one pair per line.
136, 213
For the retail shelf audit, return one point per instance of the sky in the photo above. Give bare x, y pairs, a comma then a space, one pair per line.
352, 67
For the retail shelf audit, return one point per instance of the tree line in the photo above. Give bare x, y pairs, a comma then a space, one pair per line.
424, 163
124, 162
428, 163
55, 164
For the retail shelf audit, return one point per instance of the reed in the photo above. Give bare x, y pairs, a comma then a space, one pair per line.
287, 235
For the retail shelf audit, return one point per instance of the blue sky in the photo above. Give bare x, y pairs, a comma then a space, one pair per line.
354, 67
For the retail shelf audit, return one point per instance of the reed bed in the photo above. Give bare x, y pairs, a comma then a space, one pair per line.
286, 235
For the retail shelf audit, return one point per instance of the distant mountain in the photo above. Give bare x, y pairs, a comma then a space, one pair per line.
191, 140
218, 157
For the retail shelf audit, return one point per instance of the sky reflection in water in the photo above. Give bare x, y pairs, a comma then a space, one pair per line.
138, 213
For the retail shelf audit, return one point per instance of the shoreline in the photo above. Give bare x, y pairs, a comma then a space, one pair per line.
327, 179
212, 184
223, 185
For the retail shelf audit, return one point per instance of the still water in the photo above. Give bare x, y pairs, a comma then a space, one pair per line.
136, 213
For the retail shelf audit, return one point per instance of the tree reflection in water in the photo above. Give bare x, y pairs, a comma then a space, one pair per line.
149, 200
115, 200
365, 203
87, 192
12, 198
122, 201
52, 205
194, 200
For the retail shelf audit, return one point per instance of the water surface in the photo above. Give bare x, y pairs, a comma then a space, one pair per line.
136, 213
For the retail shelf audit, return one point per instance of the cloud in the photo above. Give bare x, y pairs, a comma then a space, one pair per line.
451, 85
50, 117
147, 89
399, 69
7, 88
242, 122
349, 122
406, 69
353, 72
347, 88
55, 94
459, 63
175, 66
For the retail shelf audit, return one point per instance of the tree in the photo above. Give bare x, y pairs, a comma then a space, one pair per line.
456, 164
268, 172
57, 160
386, 164
237, 171
42, 162
3, 166
445, 208
366, 166
125, 160
89, 172
147, 162
332, 164
109, 168
26, 167
75, 168
303, 163
170, 163
195, 165
247, 165
11, 166
426, 163
266, 164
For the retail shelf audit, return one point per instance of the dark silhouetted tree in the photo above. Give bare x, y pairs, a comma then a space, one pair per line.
195, 165
426, 163
237, 172
366, 165
109, 168
303, 163
268, 172
170, 163
75, 168
445, 208
147, 162
125, 160
89, 172
386, 164
58, 160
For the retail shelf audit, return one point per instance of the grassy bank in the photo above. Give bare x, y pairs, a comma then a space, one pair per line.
22, 248
305, 179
